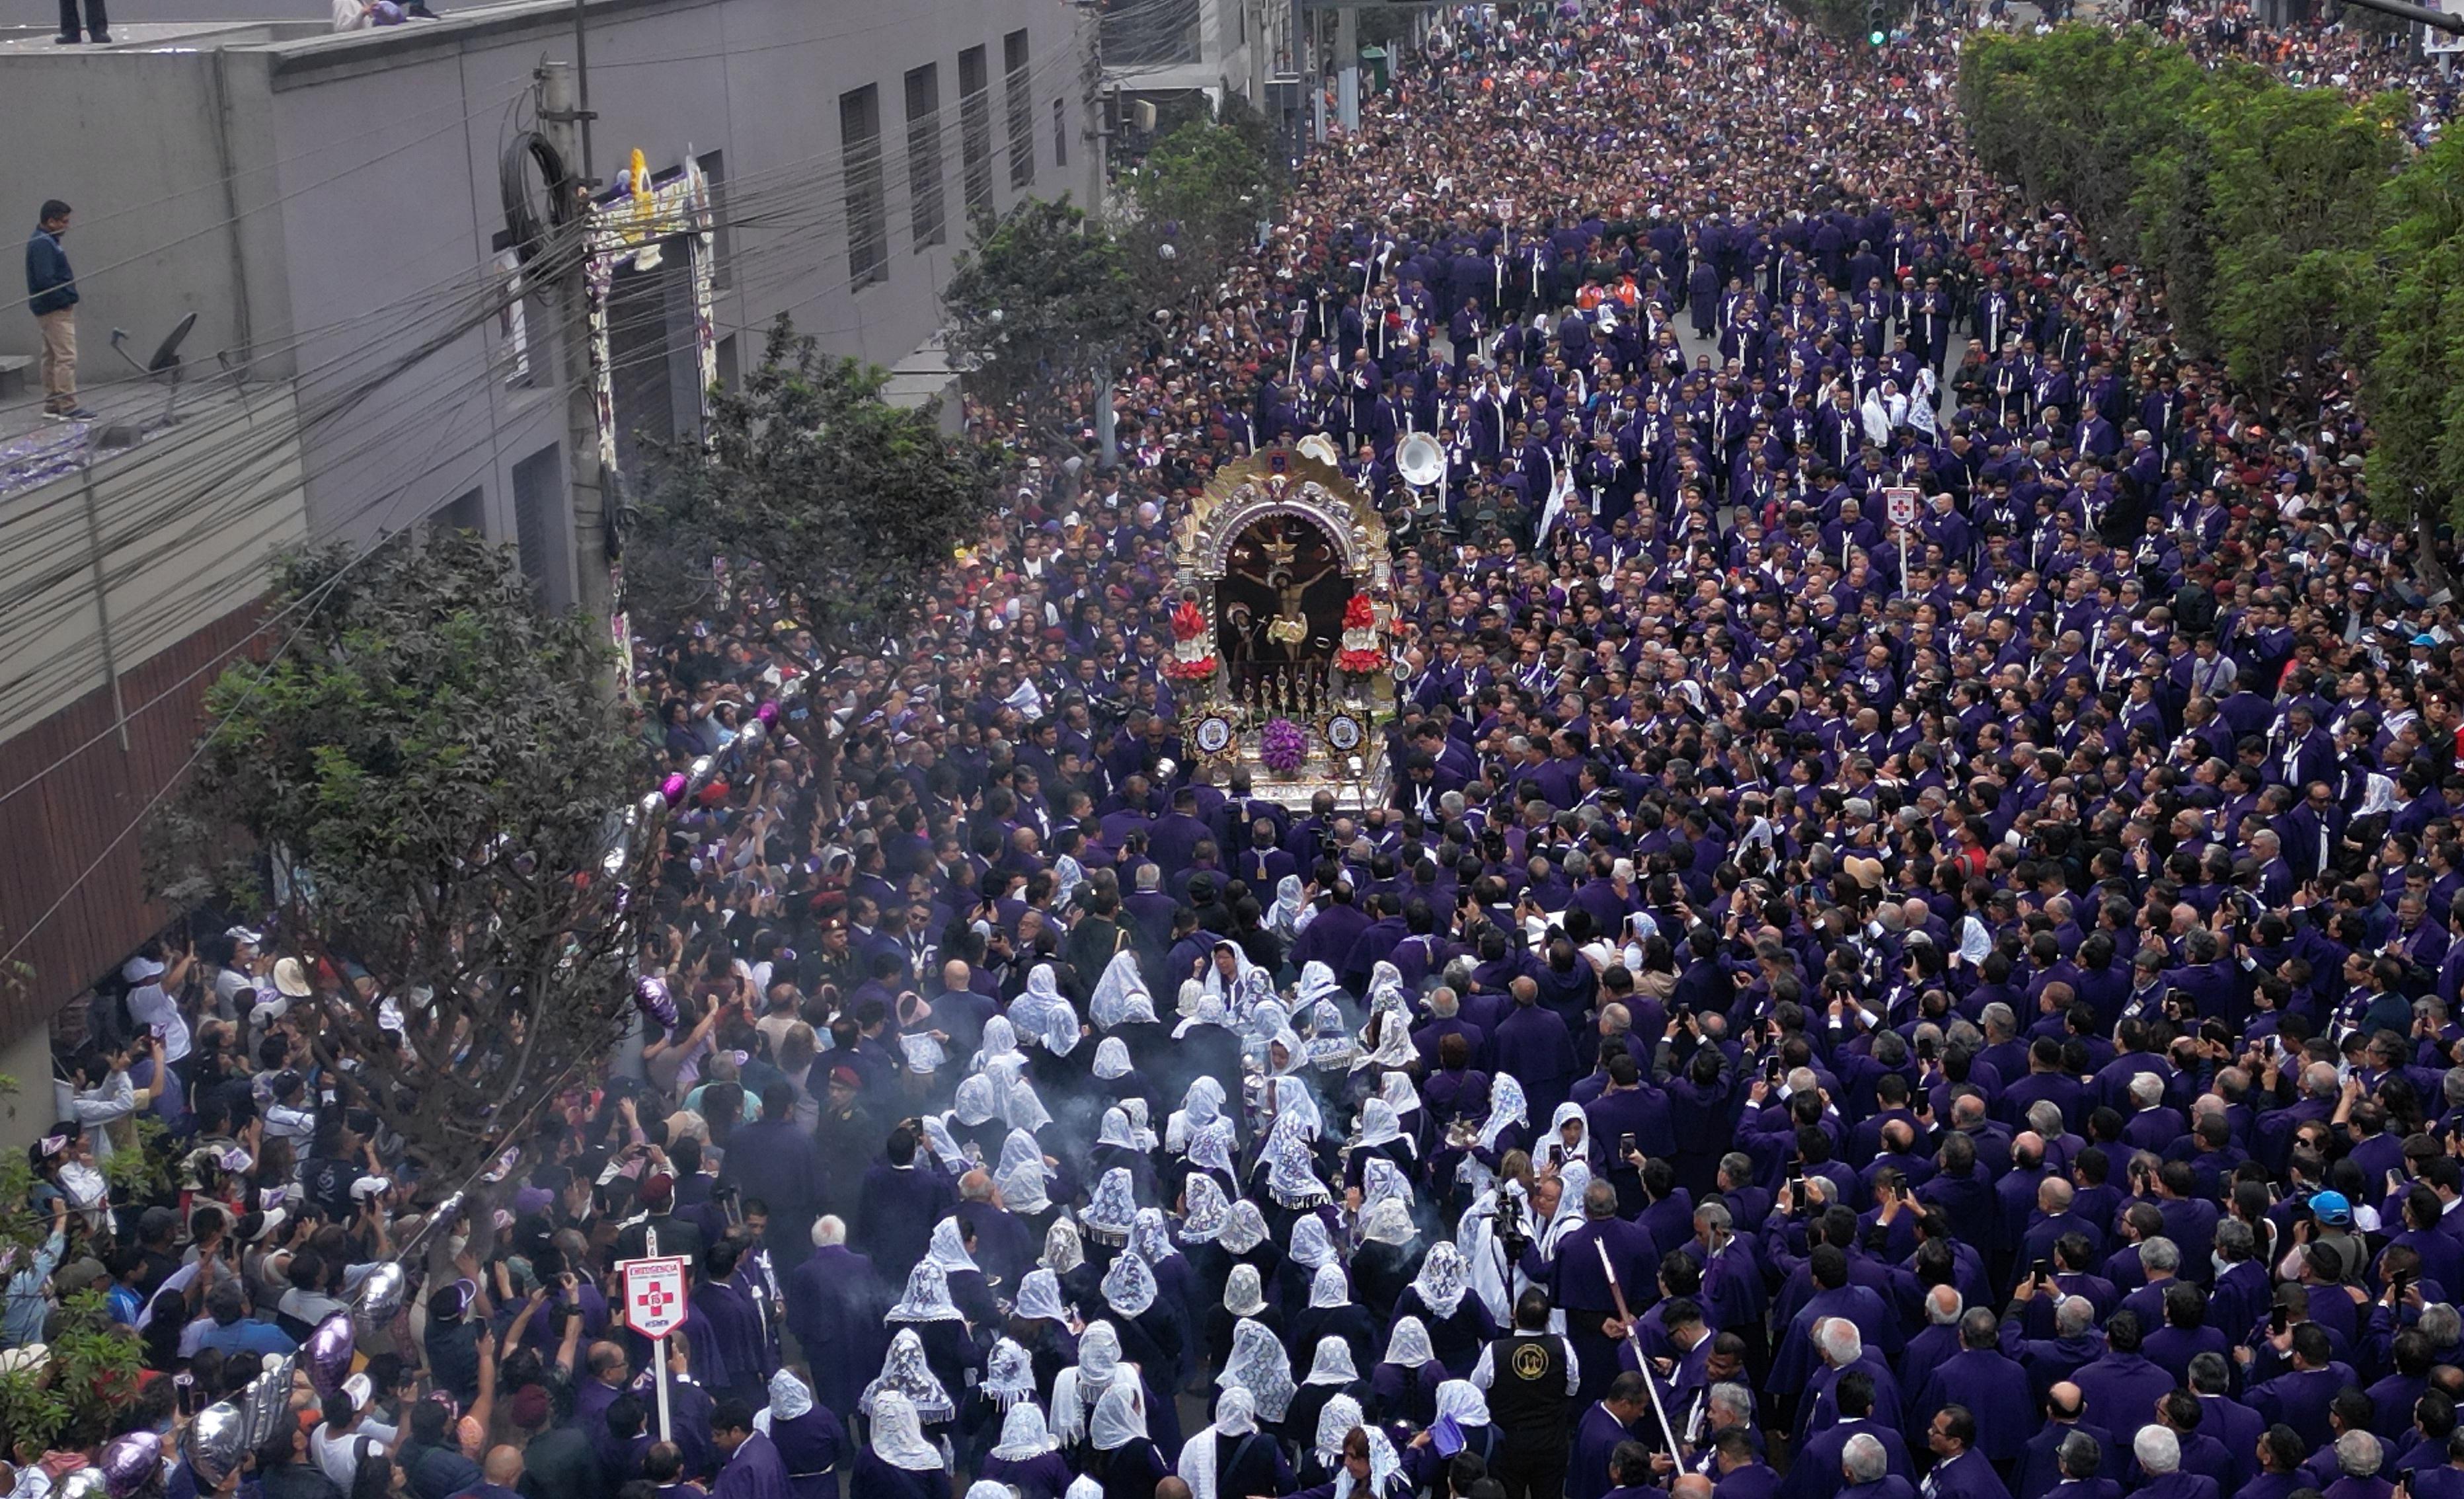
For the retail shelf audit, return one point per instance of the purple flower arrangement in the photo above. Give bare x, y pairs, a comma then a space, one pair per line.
1281, 747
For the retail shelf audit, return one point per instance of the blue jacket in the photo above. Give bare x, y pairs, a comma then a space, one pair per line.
50, 285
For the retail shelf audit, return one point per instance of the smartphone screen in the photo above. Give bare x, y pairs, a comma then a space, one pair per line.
1625, 1144
2277, 1321
1796, 1194
2044, 1270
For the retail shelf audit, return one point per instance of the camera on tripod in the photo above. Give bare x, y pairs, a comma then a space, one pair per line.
1507, 1220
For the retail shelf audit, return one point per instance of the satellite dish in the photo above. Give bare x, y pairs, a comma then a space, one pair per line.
1318, 446
165, 363
1420, 459
166, 354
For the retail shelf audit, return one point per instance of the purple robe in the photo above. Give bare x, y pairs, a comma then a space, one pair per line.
808, 1451
754, 1471
731, 1346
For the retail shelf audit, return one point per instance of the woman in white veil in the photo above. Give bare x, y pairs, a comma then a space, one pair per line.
1226, 965
1442, 1299
1199, 1107
1259, 1365
1323, 1453
1121, 994
1026, 1458
1292, 913
1080, 1386
1042, 1014
899, 1460
1255, 1462
1012, 1093
1404, 1385
1121, 1455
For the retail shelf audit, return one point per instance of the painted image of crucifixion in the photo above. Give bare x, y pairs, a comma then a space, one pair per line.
1280, 602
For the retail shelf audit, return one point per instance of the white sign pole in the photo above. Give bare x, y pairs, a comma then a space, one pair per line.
666, 1422
1901, 506
659, 1347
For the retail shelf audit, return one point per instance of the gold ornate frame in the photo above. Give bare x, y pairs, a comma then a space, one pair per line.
1283, 481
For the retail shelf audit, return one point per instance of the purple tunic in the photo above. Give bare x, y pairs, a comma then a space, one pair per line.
754, 1471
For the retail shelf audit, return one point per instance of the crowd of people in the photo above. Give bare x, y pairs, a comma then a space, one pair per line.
1799, 1024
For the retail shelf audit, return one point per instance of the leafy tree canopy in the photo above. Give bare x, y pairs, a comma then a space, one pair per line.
850, 507
1042, 293
426, 778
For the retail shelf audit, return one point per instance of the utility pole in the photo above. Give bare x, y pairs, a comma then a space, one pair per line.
1347, 63
594, 590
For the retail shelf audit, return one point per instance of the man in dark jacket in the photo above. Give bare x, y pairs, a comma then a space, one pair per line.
51, 286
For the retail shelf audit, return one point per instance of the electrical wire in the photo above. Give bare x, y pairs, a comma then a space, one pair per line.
774, 212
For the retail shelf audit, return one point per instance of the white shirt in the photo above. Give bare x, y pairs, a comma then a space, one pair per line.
1483, 1374
157, 1010
340, 1456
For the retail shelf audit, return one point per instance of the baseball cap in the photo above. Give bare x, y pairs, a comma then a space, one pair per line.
2330, 1208
451, 1301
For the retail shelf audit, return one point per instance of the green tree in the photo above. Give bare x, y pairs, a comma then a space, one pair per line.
2408, 309
850, 507
1041, 296
2293, 194
1201, 192
428, 782
2077, 115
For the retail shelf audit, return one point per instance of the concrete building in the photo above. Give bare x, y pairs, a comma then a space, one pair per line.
1157, 52
333, 209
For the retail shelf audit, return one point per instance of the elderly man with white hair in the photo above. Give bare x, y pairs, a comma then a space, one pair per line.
831, 1306
2074, 1344
1841, 1348
1866, 1470
1940, 1339
2158, 1452
2153, 1125
1981, 1379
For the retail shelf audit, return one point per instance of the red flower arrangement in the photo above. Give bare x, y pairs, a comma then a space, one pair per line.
1190, 661
1362, 654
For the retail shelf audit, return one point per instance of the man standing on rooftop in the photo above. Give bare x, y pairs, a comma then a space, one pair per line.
51, 286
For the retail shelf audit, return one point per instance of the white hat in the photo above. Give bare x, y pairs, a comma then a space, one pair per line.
291, 978
141, 970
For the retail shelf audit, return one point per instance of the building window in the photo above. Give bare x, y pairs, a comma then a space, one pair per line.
722, 238
538, 525
1059, 134
1022, 110
976, 127
927, 213
867, 212
653, 358
466, 511
513, 320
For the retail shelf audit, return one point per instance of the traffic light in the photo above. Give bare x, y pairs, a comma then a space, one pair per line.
1877, 32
